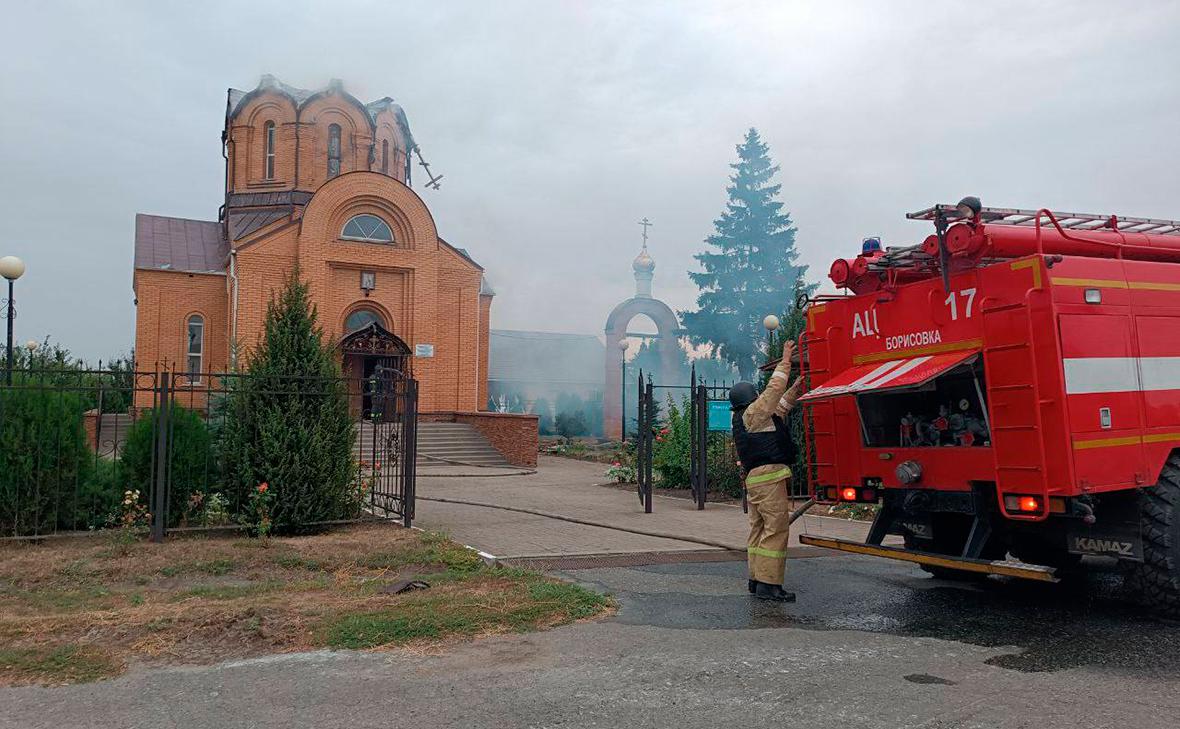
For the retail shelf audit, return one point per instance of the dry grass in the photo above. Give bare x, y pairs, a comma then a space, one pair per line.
85, 609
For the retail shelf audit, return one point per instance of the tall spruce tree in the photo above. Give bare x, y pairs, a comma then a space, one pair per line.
751, 270
286, 420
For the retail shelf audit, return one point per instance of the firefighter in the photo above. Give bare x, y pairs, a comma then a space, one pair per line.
765, 447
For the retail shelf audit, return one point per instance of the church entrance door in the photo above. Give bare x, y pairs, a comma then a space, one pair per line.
367, 351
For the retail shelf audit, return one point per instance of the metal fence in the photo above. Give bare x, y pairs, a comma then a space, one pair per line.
85, 450
707, 440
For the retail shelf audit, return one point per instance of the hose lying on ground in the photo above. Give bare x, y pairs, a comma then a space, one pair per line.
643, 532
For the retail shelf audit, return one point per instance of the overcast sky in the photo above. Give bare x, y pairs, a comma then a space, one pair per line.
558, 125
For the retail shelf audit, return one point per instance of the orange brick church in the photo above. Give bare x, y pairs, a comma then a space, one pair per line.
319, 180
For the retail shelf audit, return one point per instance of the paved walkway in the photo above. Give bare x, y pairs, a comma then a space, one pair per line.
570, 488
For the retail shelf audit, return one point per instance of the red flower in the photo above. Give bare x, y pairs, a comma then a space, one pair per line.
377, 465
616, 464
665, 431
659, 439
262, 487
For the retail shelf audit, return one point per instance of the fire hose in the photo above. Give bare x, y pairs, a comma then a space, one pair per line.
642, 532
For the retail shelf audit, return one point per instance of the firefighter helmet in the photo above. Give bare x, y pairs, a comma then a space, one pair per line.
741, 395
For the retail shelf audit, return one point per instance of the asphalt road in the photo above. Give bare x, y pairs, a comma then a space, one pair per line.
870, 643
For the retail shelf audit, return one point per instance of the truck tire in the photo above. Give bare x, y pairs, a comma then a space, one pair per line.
1157, 579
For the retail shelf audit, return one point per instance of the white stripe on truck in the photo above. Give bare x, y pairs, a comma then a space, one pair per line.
1088, 375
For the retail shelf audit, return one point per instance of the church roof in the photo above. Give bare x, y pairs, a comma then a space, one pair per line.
301, 96
643, 263
179, 244
551, 358
244, 222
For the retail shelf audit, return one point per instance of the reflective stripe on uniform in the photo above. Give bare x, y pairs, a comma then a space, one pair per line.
766, 552
778, 475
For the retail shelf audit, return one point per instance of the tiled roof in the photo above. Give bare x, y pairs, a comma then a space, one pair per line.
179, 244
545, 358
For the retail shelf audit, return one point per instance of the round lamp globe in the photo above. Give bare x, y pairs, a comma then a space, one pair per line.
11, 267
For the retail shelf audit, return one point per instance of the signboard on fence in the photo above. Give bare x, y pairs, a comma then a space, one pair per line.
720, 417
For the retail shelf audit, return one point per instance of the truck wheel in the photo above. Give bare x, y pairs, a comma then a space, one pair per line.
1157, 579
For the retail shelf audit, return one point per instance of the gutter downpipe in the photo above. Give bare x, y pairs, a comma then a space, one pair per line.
233, 327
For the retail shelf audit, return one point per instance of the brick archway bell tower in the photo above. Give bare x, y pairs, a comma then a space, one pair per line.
666, 339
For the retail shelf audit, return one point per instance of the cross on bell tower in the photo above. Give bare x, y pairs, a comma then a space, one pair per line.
643, 266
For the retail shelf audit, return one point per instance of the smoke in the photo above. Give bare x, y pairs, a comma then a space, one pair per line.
559, 125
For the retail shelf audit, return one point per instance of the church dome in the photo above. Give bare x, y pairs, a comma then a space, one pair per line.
643, 263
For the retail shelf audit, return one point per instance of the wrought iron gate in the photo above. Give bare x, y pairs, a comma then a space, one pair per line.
390, 442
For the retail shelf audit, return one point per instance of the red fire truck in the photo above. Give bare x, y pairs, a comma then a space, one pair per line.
1009, 392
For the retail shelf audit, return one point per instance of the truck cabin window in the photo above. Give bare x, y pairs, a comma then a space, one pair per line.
949, 411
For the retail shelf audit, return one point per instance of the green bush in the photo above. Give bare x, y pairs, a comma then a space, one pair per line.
44, 463
672, 454
111, 384
573, 404
287, 423
570, 425
544, 413
672, 450
191, 462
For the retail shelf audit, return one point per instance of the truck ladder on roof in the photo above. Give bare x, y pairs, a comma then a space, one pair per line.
1076, 221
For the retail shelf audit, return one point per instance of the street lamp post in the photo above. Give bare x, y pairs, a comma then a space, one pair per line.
623, 390
11, 268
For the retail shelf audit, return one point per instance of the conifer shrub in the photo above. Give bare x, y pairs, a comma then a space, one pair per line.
44, 463
286, 422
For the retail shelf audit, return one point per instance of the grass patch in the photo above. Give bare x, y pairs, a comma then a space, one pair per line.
511, 605
64, 601
58, 665
206, 600
212, 567
432, 549
226, 592
298, 562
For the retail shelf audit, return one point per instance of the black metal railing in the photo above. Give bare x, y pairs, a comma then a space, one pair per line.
85, 450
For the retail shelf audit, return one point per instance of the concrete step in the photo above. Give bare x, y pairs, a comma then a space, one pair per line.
459, 442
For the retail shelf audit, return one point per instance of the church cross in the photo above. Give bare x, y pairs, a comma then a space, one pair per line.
646, 224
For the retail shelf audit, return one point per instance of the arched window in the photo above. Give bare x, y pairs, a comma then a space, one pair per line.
368, 228
360, 319
269, 137
385, 156
333, 150
195, 352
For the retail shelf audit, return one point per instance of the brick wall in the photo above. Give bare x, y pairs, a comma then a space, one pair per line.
164, 302
515, 435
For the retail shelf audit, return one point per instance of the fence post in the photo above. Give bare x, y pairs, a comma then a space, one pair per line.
701, 416
163, 451
650, 418
693, 425
640, 441
410, 448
